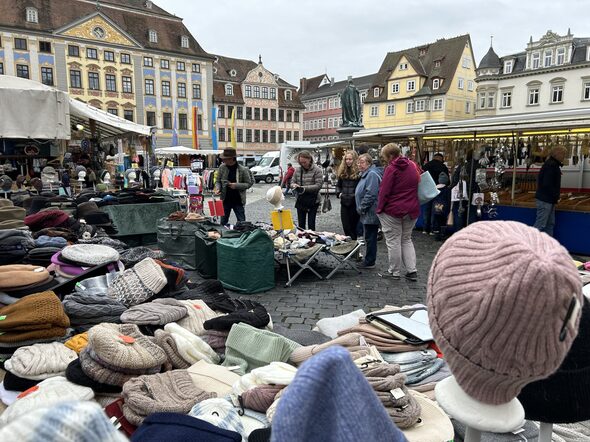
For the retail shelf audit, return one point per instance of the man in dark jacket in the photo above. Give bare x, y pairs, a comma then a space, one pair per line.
435, 167
548, 188
231, 183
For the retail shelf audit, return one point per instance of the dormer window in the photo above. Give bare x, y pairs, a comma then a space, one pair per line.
437, 63
229, 89
153, 36
184, 41
288, 95
508, 67
376, 92
422, 52
148, 4
233, 73
32, 15
435, 83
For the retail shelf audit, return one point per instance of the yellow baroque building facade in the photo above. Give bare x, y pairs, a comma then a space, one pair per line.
432, 82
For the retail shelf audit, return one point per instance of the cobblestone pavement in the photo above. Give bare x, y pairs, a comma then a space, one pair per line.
310, 299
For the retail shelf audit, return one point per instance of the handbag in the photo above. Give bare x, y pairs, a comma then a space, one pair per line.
427, 190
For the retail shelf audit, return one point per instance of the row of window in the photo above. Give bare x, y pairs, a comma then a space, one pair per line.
411, 107
487, 100
153, 38
327, 103
322, 123
92, 54
167, 122
150, 89
436, 84
127, 113
94, 81
265, 92
550, 57
258, 135
257, 113
20, 44
22, 71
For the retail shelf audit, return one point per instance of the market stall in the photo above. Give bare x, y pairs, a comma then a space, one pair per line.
506, 154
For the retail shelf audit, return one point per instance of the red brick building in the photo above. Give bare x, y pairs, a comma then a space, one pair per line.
323, 112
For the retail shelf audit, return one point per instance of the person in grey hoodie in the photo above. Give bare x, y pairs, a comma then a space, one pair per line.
306, 184
366, 194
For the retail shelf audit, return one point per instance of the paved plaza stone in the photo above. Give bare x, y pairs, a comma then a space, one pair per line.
310, 299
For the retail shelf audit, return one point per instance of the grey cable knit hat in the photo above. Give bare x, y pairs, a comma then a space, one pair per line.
171, 392
159, 312
138, 284
90, 308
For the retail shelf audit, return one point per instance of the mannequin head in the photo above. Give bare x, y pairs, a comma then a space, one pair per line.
82, 175
106, 178
275, 196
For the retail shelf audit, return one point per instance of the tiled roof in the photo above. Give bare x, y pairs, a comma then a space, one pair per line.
294, 103
490, 60
57, 14
328, 90
311, 84
223, 67
423, 58
220, 97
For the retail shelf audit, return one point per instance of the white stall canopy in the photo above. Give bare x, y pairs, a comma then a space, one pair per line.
181, 150
29, 109
108, 124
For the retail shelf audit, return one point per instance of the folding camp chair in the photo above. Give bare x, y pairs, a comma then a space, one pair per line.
342, 253
290, 256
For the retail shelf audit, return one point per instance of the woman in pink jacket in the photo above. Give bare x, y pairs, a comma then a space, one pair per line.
398, 209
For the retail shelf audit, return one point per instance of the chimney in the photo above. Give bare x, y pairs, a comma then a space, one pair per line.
331, 81
302, 85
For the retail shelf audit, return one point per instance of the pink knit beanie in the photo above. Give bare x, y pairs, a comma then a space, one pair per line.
504, 306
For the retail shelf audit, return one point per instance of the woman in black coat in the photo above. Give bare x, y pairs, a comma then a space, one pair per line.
348, 178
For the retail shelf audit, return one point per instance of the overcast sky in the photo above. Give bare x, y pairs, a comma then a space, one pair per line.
305, 38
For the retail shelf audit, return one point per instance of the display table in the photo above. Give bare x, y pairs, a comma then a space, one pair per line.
137, 222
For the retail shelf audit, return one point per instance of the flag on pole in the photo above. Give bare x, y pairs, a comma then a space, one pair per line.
195, 127
233, 129
175, 131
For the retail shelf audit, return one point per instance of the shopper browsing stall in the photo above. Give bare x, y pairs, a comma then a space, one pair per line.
348, 178
548, 188
398, 210
306, 184
232, 182
366, 194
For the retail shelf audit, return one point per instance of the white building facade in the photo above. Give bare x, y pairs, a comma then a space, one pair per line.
553, 73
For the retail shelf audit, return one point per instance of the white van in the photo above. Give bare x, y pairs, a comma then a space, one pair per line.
268, 169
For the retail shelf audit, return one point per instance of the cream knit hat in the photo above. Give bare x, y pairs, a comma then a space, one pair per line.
46, 394
190, 346
212, 378
40, 361
278, 373
123, 345
198, 313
